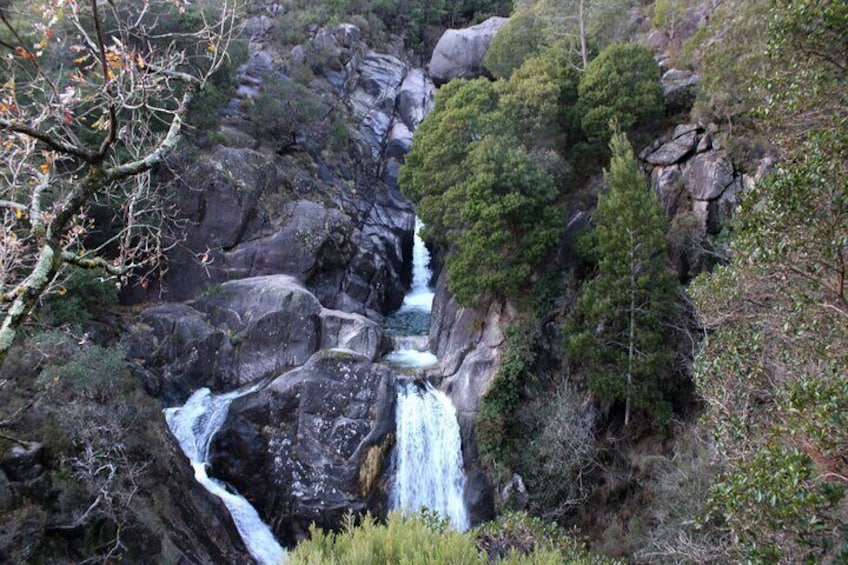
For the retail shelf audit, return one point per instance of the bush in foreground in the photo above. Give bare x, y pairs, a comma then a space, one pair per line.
424, 538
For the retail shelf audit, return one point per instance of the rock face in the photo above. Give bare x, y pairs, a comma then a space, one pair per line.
333, 217
699, 188
679, 89
693, 177
247, 330
467, 341
459, 52
312, 445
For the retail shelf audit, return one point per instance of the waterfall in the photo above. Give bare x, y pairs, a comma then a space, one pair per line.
194, 425
429, 448
429, 455
420, 296
411, 323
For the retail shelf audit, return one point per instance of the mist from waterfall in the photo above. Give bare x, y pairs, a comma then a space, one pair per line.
194, 425
429, 455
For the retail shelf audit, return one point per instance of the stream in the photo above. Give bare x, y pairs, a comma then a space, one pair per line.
428, 450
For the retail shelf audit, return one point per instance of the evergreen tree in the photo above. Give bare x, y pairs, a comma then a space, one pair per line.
509, 220
624, 310
622, 83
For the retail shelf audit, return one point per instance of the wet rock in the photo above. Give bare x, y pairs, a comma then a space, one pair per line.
176, 345
245, 330
312, 445
467, 341
24, 463
273, 323
415, 98
373, 99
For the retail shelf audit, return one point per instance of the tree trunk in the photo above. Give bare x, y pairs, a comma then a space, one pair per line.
631, 346
583, 51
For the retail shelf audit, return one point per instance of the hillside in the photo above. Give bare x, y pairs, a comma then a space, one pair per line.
636, 220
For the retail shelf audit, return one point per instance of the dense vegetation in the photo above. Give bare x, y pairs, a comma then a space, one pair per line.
631, 298
419, 22
762, 471
491, 168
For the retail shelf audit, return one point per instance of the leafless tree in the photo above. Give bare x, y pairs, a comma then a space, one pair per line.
94, 98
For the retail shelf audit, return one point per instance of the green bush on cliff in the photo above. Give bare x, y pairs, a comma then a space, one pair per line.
486, 173
622, 83
518, 40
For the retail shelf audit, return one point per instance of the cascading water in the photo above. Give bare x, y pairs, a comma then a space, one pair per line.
411, 322
194, 425
429, 448
429, 455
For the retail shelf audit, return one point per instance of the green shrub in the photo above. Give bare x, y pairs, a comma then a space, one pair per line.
623, 82
83, 293
517, 537
773, 497
518, 40
286, 113
496, 419
92, 373
403, 539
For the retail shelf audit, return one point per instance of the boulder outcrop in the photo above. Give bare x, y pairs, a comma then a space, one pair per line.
312, 445
245, 330
692, 176
459, 52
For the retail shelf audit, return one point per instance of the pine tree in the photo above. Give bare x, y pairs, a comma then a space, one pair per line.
624, 310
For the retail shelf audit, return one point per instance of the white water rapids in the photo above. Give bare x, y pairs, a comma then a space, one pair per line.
429, 449
194, 425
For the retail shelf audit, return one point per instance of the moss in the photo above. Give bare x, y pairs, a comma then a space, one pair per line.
372, 465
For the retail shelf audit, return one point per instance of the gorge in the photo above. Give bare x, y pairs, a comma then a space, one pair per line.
222, 340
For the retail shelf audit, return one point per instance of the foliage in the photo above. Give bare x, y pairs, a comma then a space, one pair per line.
510, 218
769, 371
561, 450
730, 53
286, 112
496, 425
623, 312
403, 539
622, 83
436, 163
485, 172
82, 293
518, 40
419, 22
515, 539
87, 111
98, 429
773, 501
539, 101
517, 533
